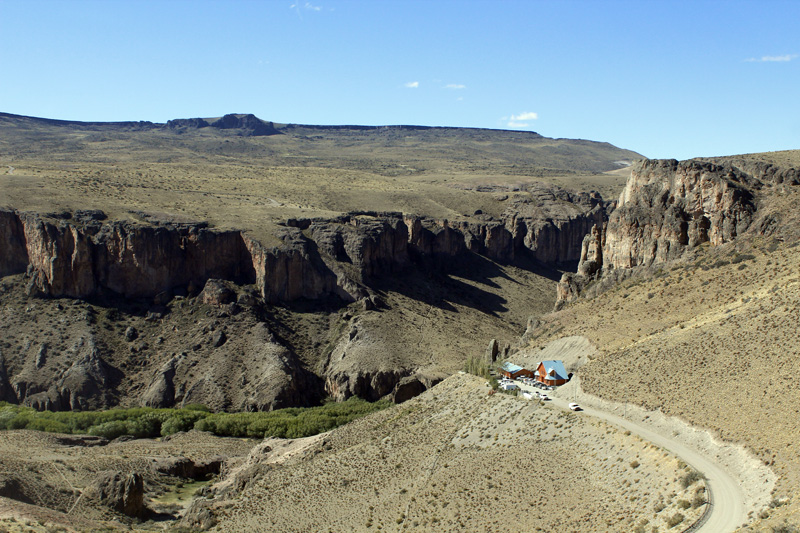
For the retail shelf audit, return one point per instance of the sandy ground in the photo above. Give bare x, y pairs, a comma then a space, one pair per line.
459, 459
711, 341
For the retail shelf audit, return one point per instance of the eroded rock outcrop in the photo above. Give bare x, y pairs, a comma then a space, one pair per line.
161, 392
13, 253
668, 207
85, 384
121, 492
552, 222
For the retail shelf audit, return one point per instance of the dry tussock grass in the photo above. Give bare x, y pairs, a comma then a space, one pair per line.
712, 340
457, 458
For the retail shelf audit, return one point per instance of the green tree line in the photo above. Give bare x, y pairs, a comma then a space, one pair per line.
146, 422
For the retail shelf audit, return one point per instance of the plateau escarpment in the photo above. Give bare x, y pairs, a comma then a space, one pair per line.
82, 255
670, 207
170, 269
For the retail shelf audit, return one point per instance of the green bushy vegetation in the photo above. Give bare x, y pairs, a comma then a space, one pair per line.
146, 422
479, 367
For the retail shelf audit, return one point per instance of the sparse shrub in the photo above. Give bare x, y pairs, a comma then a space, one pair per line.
675, 519
738, 258
684, 504
698, 500
634, 464
785, 528
689, 478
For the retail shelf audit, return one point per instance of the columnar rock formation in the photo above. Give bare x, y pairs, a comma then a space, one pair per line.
668, 207
84, 256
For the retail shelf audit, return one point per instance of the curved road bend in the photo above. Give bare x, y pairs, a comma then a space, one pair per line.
727, 511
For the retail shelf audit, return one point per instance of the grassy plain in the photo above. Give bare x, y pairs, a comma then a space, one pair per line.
251, 183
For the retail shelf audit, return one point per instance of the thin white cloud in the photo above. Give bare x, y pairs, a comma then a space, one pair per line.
308, 6
527, 115
455, 86
772, 59
412, 84
514, 124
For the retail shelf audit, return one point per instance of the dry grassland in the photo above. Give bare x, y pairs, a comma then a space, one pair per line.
253, 182
713, 341
458, 459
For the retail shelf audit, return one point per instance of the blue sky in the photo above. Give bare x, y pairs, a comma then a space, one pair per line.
666, 79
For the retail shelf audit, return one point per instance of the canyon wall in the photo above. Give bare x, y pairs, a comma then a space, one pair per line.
85, 256
223, 356
668, 207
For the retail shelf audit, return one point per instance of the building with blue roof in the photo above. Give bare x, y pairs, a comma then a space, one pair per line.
551, 373
512, 371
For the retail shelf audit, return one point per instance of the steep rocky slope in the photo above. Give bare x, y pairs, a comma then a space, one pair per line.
668, 208
708, 334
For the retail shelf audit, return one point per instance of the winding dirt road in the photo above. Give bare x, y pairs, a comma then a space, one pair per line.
727, 512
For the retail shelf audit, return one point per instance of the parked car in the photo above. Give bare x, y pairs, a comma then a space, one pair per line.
544, 397
575, 407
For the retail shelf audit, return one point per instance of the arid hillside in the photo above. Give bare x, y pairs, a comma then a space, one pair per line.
457, 459
710, 337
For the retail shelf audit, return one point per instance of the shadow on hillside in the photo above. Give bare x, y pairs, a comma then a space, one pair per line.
467, 281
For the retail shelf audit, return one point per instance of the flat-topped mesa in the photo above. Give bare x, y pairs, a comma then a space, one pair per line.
668, 207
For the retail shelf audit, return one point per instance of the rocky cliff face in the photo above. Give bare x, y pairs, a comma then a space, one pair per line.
552, 222
164, 263
668, 207
83, 257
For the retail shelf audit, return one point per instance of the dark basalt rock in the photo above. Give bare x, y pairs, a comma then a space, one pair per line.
249, 125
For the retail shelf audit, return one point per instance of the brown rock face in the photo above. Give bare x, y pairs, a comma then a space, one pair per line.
591, 260
122, 492
13, 254
667, 206
85, 384
82, 255
552, 222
